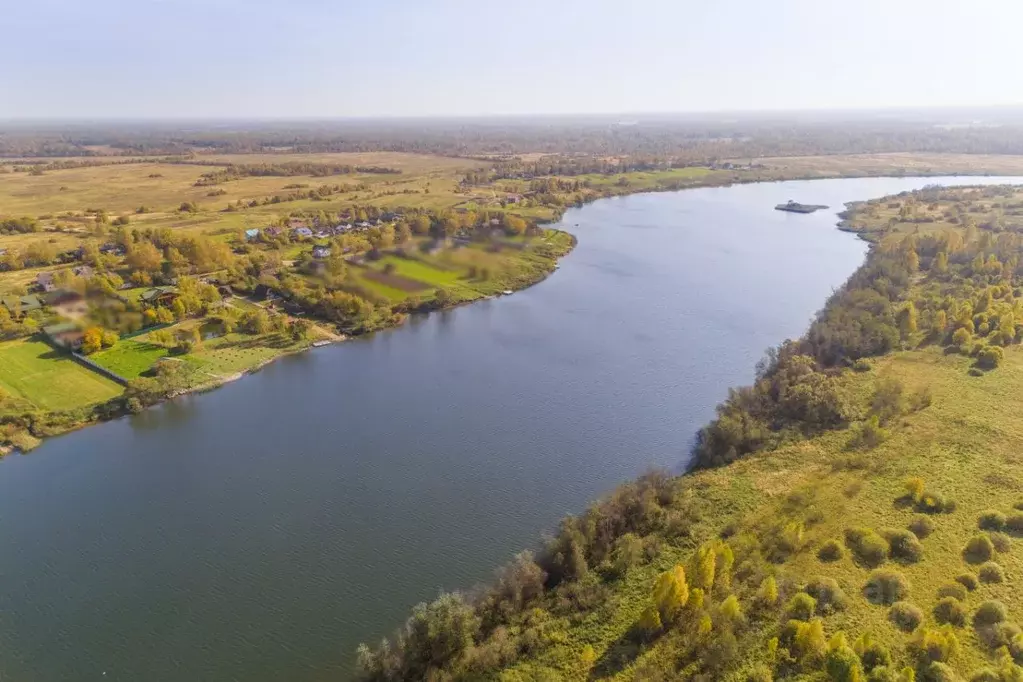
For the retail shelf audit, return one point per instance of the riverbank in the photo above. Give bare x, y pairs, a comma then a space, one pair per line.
872, 463
26, 433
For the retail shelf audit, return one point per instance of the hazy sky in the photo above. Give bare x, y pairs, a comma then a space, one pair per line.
327, 58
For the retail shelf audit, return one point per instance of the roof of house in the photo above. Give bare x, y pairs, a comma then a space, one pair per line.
22, 303
156, 292
303, 231
44, 277
60, 328
254, 232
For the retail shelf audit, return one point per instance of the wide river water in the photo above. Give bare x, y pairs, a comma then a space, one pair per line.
261, 531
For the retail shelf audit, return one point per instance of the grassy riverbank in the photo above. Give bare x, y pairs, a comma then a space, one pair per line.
857, 514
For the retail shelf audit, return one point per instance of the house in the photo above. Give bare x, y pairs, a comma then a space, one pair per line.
21, 305
321, 251
252, 234
44, 280
67, 303
159, 296
65, 335
302, 232
364, 225
513, 198
83, 271
322, 234
273, 231
295, 223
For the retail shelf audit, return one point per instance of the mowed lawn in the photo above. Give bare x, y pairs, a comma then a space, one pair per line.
130, 357
32, 370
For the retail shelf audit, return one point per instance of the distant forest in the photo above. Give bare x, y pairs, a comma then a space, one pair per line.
679, 138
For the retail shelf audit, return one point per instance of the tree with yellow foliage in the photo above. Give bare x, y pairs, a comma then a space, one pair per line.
671, 592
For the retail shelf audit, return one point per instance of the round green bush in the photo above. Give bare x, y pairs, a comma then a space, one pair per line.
955, 590
801, 607
886, 587
950, 611
1014, 522
828, 594
989, 613
991, 520
967, 580
882, 673
869, 548
862, 365
921, 526
874, 655
985, 675
1001, 542
907, 617
831, 550
939, 672
991, 572
903, 545
1006, 633
760, 674
978, 549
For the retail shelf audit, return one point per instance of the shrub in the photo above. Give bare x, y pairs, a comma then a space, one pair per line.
985, 675
989, 357
862, 365
828, 595
1014, 522
974, 372
886, 587
801, 607
967, 580
872, 653
1005, 634
869, 548
955, 591
914, 488
991, 520
921, 526
830, 551
978, 549
991, 572
929, 645
1001, 542
907, 617
760, 674
939, 672
903, 545
842, 664
1018, 505
935, 503
950, 611
989, 613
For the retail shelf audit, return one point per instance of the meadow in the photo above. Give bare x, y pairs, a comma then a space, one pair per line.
34, 372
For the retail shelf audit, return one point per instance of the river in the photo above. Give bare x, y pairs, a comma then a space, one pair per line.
261, 531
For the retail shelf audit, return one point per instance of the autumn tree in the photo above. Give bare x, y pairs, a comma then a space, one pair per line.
92, 341
671, 592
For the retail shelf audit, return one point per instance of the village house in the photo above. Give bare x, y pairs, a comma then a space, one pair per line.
44, 281
302, 232
321, 251
65, 335
67, 303
159, 296
22, 305
251, 234
83, 271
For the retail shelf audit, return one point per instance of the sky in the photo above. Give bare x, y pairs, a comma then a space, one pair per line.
75, 59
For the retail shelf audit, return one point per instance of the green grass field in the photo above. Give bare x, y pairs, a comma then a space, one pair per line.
130, 357
35, 372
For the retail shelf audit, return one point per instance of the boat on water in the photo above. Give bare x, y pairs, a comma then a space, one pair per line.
796, 207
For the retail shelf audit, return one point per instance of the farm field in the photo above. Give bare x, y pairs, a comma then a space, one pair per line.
35, 372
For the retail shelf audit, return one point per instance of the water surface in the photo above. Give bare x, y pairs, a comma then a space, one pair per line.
259, 532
